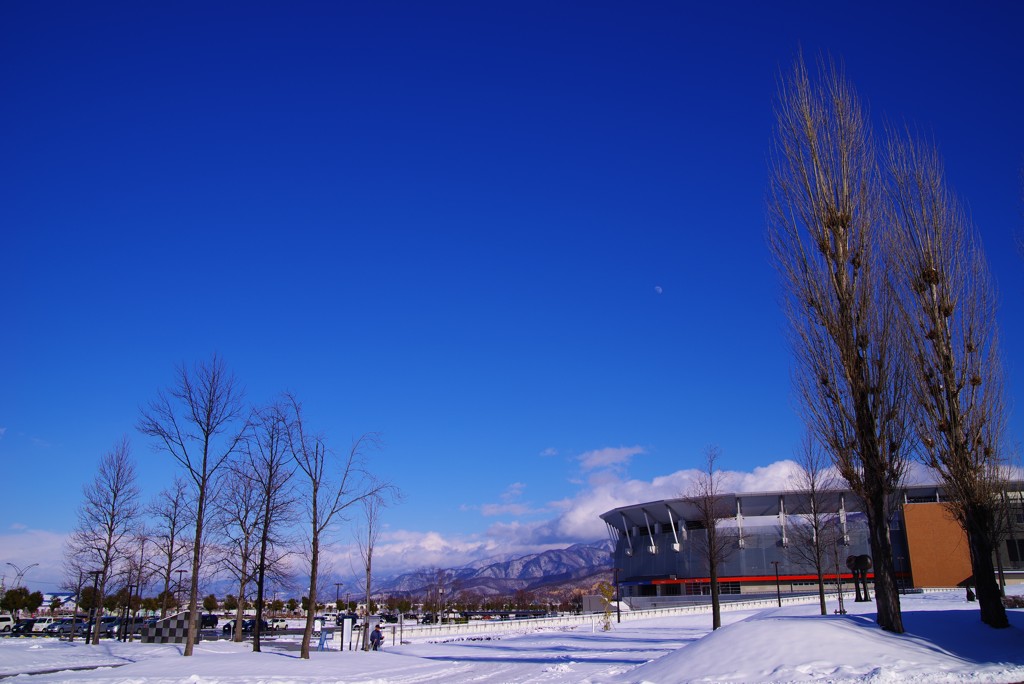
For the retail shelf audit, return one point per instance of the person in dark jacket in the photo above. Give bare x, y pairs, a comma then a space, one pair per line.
376, 638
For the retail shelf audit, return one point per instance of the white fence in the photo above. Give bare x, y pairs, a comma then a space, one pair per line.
415, 632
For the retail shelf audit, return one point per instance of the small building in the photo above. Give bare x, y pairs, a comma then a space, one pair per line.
659, 546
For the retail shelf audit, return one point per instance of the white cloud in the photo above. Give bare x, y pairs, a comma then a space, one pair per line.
513, 491
510, 504
571, 520
550, 451
578, 517
609, 457
517, 509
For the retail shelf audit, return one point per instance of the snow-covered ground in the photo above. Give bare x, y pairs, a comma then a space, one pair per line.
944, 642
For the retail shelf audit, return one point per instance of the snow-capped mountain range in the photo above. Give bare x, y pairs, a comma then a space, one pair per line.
577, 564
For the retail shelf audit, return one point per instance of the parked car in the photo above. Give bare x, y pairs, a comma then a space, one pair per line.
143, 622
109, 625
65, 626
208, 621
6, 623
278, 623
247, 626
42, 623
23, 626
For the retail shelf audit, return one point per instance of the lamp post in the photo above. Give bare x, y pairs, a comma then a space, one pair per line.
94, 621
778, 591
337, 596
20, 574
178, 597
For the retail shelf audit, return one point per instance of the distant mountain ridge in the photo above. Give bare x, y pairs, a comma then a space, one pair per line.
576, 565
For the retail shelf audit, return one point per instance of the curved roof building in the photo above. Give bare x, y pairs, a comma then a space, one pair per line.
660, 546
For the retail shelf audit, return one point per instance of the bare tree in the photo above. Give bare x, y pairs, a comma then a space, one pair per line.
825, 216
270, 470
332, 486
106, 521
717, 543
171, 517
817, 535
140, 569
949, 307
236, 515
366, 540
200, 423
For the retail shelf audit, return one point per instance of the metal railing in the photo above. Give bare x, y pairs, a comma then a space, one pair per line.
521, 626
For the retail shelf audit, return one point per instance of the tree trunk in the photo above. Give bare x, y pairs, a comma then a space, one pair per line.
261, 573
98, 611
307, 635
366, 642
821, 590
236, 634
978, 525
716, 608
887, 595
193, 600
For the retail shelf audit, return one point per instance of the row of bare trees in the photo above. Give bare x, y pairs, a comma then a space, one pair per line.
257, 485
891, 317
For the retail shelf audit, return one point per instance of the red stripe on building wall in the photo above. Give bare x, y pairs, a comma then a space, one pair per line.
754, 578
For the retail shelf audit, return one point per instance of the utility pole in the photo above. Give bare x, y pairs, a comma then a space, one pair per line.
778, 592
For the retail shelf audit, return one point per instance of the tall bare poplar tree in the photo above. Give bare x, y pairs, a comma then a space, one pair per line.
825, 217
200, 422
948, 304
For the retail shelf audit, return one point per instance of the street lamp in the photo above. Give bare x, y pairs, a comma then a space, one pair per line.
179, 597
20, 573
778, 592
337, 596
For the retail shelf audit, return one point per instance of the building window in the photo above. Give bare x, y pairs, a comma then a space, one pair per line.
1015, 549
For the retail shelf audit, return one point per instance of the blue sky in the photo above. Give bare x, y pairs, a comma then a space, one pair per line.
523, 241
